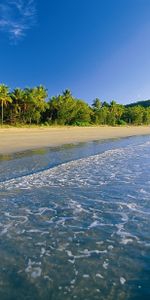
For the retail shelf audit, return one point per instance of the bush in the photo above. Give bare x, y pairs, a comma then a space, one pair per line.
81, 123
122, 122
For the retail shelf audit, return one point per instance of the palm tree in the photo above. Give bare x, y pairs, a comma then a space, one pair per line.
17, 97
4, 99
67, 93
97, 104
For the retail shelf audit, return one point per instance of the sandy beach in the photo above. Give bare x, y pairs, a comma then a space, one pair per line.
14, 140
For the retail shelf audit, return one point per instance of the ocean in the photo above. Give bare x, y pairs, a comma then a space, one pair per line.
75, 222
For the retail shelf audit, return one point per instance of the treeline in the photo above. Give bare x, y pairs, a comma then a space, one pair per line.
144, 103
32, 106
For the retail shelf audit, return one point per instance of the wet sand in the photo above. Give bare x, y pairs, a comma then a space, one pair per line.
14, 140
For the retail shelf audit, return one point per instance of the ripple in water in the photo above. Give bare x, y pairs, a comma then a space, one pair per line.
79, 230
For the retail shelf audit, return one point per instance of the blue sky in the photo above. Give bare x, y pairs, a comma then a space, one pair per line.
96, 48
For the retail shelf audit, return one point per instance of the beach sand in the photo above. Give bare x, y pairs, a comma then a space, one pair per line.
14, 140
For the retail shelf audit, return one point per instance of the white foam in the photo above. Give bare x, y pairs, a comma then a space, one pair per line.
99, 276
36, 272
89, 252
110, 247
94, 224
33, 269
126, 241
105, 265
6, 228
61, 174
85, 276
25, 218
122, 280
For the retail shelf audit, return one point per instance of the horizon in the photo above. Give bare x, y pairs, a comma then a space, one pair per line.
97, 50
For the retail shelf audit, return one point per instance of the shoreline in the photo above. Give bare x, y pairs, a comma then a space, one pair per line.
14, 140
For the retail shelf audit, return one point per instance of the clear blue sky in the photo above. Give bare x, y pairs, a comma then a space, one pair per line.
96, 48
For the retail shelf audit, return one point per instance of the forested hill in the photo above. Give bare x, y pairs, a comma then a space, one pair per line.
144, 103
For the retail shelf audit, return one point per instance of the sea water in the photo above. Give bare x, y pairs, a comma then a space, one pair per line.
75, 222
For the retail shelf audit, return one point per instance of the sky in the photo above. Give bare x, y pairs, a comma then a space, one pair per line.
95, 48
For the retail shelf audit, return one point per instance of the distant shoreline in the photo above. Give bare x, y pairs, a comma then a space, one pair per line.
13, 140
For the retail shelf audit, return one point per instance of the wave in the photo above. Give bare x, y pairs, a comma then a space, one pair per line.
87, 218
96, 169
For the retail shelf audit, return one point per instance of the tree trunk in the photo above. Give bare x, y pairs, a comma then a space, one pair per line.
2, 112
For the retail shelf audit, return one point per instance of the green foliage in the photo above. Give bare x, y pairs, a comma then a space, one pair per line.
26, 106
82, 112
97, 104
122, 122
146, 116
4, 99
134, 115
145, 104
66, 110
79, 123
30, 106
105, 113
61, 109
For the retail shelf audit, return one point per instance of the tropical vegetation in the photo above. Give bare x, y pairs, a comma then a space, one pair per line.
33, 106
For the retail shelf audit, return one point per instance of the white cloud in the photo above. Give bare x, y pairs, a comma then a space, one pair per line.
16, 17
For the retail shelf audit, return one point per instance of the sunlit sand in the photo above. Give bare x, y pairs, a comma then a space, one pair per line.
21, 139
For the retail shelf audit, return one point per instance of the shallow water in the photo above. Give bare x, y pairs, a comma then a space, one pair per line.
75, 222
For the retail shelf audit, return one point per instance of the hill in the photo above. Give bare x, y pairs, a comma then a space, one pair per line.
144, 103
